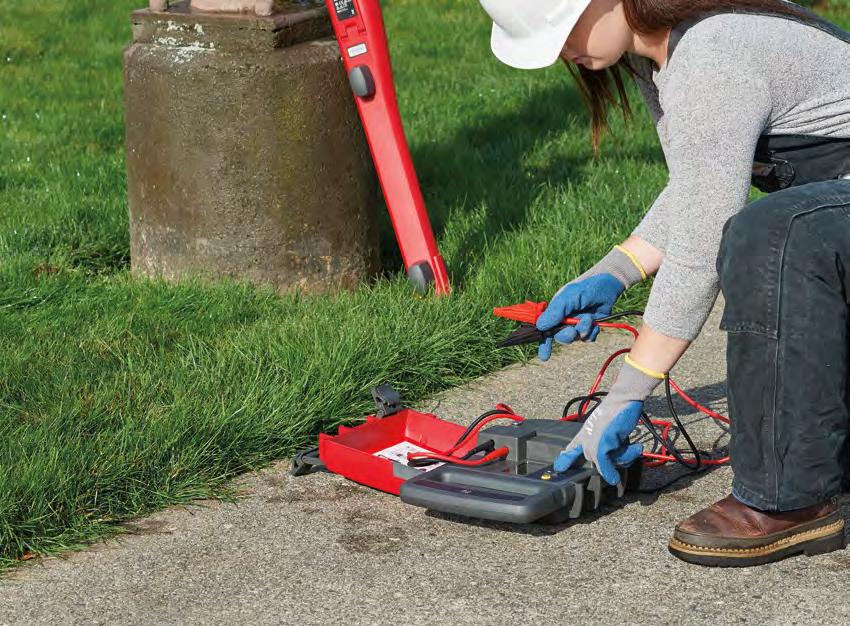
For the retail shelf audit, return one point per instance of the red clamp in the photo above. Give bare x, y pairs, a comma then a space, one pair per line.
527, 312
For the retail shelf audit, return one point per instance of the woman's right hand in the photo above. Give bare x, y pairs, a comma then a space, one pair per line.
587, 299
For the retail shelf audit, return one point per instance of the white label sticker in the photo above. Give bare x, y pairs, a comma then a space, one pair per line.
354, 51
399, 451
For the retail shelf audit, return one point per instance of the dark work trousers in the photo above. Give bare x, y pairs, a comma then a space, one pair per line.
783, 266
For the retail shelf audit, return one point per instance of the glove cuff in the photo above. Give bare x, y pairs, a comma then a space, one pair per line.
634, 382
621, 264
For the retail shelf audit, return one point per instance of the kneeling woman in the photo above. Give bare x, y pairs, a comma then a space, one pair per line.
725, 81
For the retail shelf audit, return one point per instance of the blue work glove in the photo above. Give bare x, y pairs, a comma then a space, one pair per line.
595, 296
589, 297
604, 438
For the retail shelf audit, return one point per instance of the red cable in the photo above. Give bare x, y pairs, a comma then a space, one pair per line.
652, 459
665, 458
491, 456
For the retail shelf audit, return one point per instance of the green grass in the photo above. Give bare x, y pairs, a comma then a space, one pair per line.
119, 396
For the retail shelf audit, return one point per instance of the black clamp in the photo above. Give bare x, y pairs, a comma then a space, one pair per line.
387, 400
305, 462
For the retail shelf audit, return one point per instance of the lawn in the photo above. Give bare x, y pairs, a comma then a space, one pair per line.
119, 395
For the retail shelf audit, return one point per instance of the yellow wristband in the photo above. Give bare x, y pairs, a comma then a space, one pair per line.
645, 370
633, 259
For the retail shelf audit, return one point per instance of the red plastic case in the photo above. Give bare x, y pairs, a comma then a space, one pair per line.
351, 452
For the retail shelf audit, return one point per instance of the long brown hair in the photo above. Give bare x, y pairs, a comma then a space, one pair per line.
647, 17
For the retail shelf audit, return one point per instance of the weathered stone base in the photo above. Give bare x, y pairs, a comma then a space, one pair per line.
245, 154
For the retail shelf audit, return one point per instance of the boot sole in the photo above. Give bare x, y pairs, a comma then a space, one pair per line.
810, 542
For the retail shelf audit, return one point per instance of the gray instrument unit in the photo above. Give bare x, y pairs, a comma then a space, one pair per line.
522, 487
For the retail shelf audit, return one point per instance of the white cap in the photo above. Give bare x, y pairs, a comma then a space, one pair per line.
530, 34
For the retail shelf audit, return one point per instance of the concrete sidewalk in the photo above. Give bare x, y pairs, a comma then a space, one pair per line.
320, 549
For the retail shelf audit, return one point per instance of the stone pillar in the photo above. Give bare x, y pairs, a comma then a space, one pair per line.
246, 157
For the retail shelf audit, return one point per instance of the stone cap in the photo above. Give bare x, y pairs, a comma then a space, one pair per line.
181, 26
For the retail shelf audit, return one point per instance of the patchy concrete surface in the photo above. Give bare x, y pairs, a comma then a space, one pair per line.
320, 549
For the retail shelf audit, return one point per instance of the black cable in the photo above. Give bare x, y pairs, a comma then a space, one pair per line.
614, 316
583, 399
668, 445
478, 420
424, 461
681, 427
650, 427
693, 465
644, 418
487, 447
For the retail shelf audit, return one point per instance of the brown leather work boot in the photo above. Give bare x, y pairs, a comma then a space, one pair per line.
731, 534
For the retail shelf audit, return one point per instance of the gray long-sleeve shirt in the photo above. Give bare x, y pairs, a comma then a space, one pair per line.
730, 78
